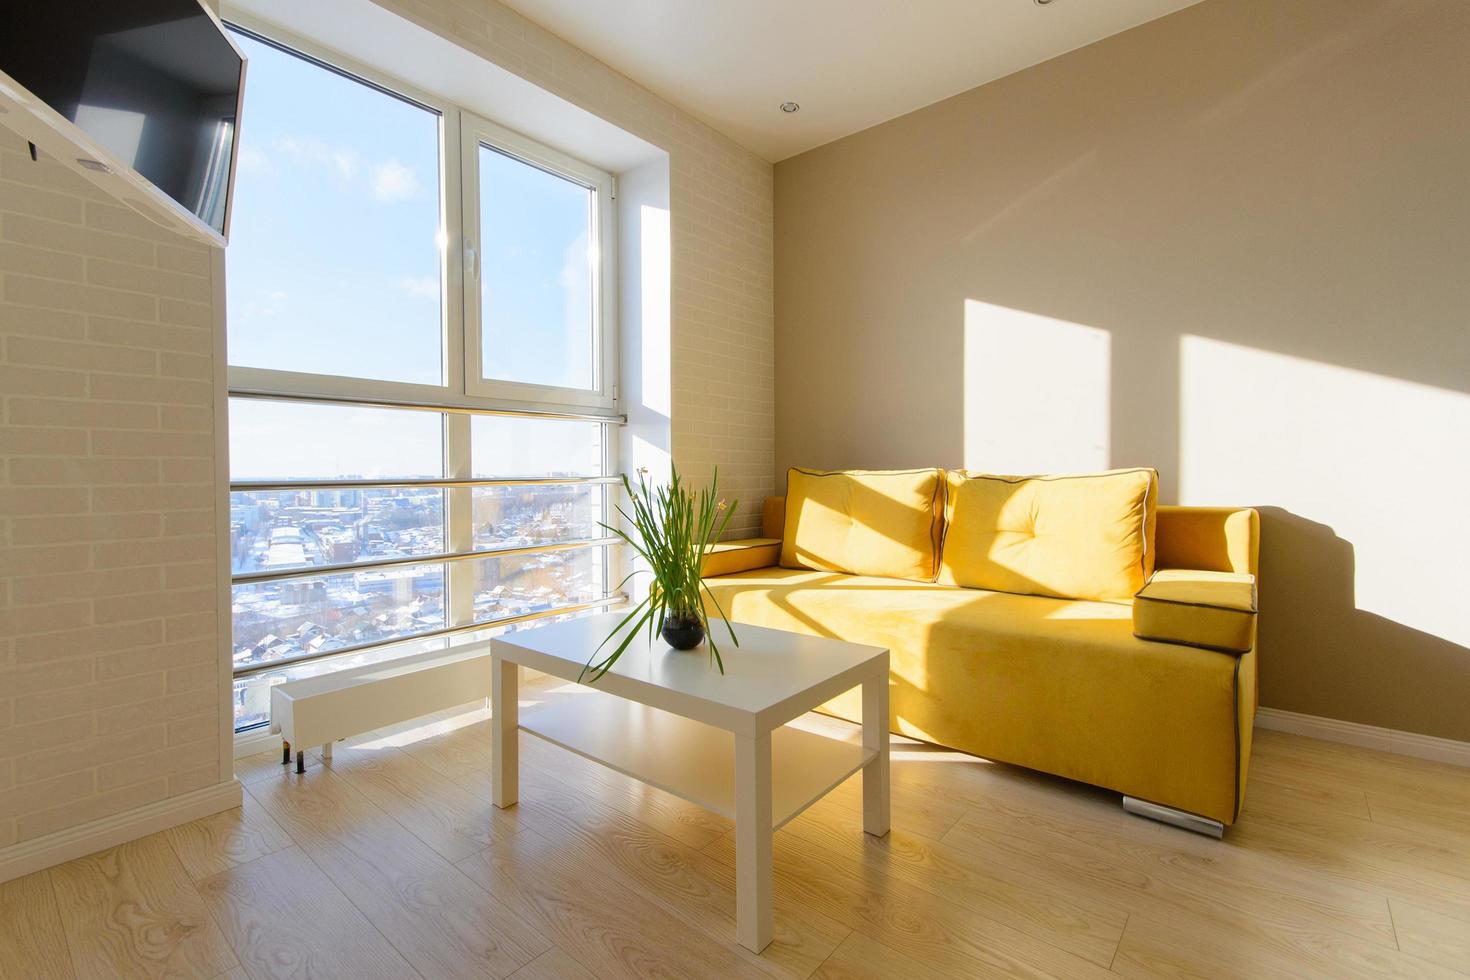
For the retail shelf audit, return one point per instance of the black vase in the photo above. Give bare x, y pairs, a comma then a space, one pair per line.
683, 634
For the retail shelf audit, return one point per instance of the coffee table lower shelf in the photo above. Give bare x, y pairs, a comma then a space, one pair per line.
691, 760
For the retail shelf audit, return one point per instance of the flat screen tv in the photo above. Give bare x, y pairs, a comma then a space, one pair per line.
143, 96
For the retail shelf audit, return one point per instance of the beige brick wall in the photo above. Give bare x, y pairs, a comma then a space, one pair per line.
109, 677
109, 656
720, 212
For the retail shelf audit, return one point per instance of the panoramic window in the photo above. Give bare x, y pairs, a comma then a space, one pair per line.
396, 470
334, 258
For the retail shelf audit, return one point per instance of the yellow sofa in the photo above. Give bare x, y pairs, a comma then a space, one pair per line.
1066, 686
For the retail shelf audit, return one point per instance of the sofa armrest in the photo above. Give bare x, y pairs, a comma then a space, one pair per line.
743, 555
1212, 610
1223, 539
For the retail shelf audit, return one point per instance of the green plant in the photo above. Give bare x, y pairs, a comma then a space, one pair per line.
672, 530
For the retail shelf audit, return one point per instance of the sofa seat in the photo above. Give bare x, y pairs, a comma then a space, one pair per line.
1058, 685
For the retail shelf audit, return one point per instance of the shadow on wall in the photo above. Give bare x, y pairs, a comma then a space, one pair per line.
1241, 230
1332, 656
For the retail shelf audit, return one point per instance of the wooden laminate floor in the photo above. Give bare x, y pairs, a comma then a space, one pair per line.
389, 861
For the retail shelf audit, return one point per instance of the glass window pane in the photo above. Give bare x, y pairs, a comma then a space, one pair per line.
272, 530
276, 440
334, 257
516, 585
536, 276
514, 517
508, 446
316, 614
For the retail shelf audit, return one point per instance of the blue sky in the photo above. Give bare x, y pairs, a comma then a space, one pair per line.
334, 268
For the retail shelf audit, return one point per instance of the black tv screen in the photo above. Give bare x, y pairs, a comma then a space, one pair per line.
155, 82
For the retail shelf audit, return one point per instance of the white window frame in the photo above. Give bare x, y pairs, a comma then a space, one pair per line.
476, 132
460, 133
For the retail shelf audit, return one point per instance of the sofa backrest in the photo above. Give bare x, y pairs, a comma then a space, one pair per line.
1082, 536
865, 522
1221, 539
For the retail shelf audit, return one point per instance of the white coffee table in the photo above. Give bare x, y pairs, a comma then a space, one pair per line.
670, 719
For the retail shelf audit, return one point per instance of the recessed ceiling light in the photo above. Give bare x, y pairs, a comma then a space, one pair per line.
789, 107
1042, 3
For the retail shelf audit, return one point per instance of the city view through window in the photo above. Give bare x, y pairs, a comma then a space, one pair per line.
336, 271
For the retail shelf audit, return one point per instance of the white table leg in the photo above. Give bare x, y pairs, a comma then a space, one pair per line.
875, 738
505, 698
753, 884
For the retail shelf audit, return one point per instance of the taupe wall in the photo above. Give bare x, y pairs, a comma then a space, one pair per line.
1233, 243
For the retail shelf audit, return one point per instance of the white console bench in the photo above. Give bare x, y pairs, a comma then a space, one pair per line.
321, 710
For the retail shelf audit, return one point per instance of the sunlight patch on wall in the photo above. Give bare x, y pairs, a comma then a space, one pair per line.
1384, 462
1036, 393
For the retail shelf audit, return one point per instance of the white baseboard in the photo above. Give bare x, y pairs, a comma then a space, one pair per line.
74, 842
1445, 750
253, 743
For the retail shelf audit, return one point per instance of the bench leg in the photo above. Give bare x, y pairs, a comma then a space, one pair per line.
285, 752
300, 762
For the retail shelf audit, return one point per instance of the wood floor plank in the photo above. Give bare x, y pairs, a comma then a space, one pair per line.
1141, 863
1432, 935
1307, 761
224, 840
454, 747
435, 916
1384, 860
935, 932
32, 940
989, 871
554, 964
597, 919
1447, 822
1091, 930
262, 765
444, 814
284, 918
1188, 945
689, 884
861, 958
132, 911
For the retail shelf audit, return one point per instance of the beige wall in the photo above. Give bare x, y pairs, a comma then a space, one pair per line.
1233, 243
110, 670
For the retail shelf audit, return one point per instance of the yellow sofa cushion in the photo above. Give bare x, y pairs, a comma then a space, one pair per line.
1071, 537
1057, 685
741, 555
1210, 610
866, 522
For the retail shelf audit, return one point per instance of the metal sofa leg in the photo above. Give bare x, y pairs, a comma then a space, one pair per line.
301, 762
1175, 818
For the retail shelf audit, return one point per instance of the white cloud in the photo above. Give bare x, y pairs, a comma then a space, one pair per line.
394, 181
252, 161
424, 286
341, 162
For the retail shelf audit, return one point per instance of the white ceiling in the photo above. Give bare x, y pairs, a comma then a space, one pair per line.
849, 63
